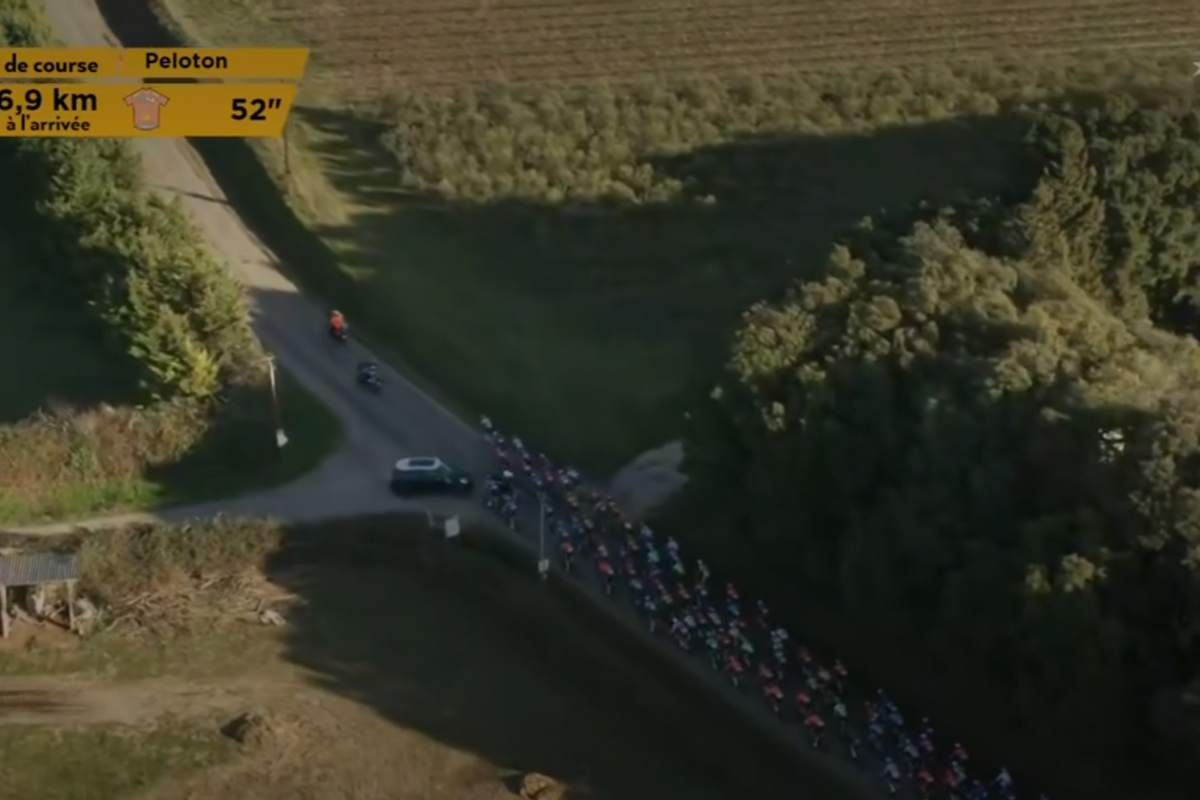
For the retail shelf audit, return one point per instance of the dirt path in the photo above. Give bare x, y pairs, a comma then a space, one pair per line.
58, 700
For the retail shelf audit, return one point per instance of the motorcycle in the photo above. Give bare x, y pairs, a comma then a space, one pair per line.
368, 378
339, 335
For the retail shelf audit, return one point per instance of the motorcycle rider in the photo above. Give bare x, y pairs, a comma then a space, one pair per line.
337, 324
368, 372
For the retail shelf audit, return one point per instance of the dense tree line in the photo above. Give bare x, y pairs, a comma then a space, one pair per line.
982, 425
554, 143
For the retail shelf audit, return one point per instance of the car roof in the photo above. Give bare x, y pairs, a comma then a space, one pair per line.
420, 464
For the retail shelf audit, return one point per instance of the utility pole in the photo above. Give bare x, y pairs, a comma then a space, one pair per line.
281, 438
543, 562
287, 158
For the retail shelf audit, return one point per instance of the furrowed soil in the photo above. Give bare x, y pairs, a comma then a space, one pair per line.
434, 674
370, 47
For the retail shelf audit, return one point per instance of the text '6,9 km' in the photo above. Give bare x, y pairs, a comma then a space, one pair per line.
31, 100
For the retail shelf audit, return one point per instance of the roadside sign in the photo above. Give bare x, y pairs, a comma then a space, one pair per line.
543, 567
281, 439
452, 527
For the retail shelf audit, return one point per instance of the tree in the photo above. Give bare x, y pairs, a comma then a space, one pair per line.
975, 430
138, 264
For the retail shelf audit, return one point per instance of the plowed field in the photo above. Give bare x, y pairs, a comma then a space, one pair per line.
367, 45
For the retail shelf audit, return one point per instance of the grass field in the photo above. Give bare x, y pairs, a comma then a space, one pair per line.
105, 761
389, 680
71, 443
554, 210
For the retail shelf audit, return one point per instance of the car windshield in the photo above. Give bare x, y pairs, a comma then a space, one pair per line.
423, 463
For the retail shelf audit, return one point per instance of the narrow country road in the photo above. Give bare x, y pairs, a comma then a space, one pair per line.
378, 430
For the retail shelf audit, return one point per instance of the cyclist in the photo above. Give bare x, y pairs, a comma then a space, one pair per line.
337, 324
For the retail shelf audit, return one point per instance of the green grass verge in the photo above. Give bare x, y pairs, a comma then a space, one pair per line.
105, 762
207, 473
54, 360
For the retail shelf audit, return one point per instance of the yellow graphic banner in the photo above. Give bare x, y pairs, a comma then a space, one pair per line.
61, 63
214, 62
81, 63
119, 110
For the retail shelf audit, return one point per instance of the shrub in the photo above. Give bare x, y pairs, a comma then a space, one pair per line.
135, 259
139, 264
124, 562
167, 306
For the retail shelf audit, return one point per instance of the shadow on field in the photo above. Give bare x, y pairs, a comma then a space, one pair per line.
453, 642
51, 352
753, 214
606, 312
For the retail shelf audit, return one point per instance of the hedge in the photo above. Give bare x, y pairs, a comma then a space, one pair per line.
134, 258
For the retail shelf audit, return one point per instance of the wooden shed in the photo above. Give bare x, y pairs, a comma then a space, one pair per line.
38, 569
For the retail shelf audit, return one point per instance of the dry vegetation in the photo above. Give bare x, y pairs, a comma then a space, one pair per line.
580, 199
438, 676
67, 461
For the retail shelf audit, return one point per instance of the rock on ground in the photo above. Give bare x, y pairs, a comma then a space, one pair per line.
536, 786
